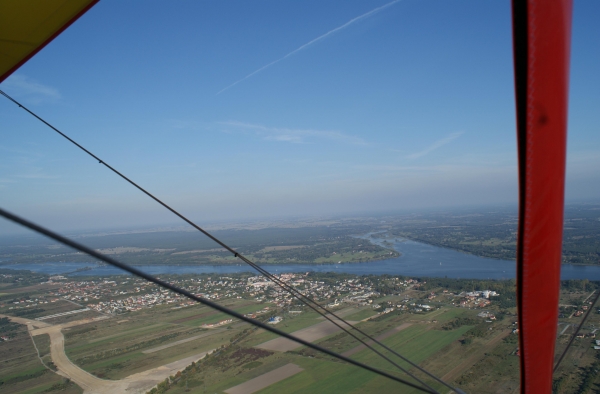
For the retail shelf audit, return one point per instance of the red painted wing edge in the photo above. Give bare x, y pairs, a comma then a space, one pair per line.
541, 42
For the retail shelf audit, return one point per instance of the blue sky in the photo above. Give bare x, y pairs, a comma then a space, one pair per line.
246, 109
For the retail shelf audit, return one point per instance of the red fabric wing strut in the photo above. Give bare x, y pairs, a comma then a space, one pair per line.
541, 43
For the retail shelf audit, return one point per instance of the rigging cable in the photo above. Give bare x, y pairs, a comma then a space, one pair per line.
308, 301
576, 331
183, 292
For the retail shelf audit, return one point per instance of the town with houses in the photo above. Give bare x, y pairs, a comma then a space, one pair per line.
116, 295
465, 313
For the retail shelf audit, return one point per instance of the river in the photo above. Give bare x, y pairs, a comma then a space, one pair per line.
416, 260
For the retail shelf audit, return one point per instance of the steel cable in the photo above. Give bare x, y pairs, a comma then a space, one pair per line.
183, 292
308, 301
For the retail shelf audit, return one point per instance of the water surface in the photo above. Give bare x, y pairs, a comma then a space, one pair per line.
417, 260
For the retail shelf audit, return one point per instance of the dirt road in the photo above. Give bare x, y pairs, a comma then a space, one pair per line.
65, 367
31, 324
133, 384
137, 383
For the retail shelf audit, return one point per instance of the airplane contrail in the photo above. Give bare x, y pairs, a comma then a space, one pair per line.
351, 21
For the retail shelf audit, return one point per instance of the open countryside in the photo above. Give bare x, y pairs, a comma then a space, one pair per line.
138, 338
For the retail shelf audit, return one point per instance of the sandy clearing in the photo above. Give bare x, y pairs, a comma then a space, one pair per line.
131, 249
311, 334
61, 314
265, 380
200, 251
283, 247
380, 338
137, 383
168, 345
48, 327
31, 324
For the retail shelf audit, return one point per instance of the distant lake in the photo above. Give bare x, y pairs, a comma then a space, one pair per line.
417, 260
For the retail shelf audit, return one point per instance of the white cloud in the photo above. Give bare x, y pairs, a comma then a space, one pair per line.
293, 135
345, 25
24, 87
435, 145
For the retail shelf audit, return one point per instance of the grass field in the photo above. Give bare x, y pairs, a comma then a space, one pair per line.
363, 314
113, 348
581, 362
214, 317
333, 377
419, 342
290, 323
21, 370
118, 347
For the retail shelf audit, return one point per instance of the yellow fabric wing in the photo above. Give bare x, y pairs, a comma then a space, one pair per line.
26, 26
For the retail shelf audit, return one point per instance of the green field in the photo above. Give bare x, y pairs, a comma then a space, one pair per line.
363, 314
113, 348
322, 376
22, 371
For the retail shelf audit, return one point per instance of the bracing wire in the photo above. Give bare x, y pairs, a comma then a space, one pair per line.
308, 301
185, 293
576, 332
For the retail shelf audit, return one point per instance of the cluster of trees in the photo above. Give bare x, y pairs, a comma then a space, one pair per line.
589, 376
60, 386
27, 312
21, 277
160, 247
459, 322
223, 358
8, 328
579, 285
488, 234
581, 244
493, 234
324, 248
30, 374
458, 285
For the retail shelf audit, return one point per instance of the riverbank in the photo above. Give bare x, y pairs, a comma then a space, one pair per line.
416, 260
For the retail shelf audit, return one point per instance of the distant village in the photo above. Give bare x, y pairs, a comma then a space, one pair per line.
117, 295
120, 295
